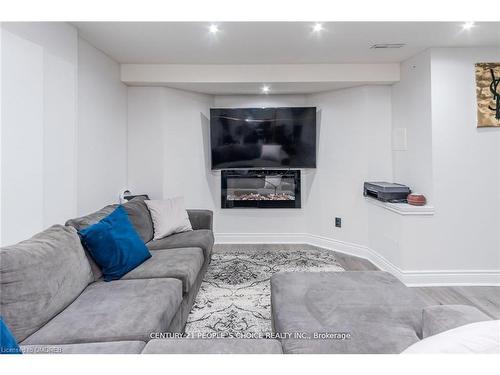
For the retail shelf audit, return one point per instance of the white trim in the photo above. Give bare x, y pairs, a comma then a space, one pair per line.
260, 238
158, 74
356, 250
404, 209
452, 277
409, 277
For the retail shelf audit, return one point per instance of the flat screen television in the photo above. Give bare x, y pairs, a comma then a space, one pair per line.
263, 137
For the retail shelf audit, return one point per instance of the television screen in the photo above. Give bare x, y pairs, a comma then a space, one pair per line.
263, 137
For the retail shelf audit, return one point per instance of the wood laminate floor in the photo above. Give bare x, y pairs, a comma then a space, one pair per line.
485, 298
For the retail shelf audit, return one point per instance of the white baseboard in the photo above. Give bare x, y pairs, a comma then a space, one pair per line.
409, 277
260, 238
451, 278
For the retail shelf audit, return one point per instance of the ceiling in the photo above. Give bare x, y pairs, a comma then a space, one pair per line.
278, 42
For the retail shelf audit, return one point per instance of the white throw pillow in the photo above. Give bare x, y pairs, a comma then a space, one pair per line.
169, 216
481, 337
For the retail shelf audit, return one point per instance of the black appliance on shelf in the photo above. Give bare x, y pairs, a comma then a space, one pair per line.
386, 191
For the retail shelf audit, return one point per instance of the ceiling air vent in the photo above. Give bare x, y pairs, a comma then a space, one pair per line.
388, 45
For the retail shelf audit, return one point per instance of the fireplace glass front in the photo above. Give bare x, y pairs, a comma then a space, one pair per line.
260, 189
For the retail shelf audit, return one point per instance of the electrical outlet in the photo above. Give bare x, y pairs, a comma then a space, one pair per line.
338, 222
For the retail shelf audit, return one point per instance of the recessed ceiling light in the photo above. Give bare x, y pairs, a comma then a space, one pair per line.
468, 25
265, 89
317, 27
213, 28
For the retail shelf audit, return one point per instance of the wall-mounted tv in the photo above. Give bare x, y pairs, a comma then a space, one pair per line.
263, 137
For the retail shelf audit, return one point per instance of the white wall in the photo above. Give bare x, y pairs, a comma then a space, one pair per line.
102, 130
466, 168
258, 101
391, 236
1, 127
354, 145
38, 127
146, 118
165, 74
63, 130
411, 103
166, 144
169, 155
453, 163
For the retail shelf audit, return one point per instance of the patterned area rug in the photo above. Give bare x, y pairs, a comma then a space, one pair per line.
234, 298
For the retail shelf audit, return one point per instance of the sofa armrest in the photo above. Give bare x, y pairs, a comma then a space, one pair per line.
201, 219
440, 318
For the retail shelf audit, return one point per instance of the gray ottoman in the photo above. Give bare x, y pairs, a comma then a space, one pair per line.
213, 346
344, 312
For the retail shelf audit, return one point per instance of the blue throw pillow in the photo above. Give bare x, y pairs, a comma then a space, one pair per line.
8, 343
115, 245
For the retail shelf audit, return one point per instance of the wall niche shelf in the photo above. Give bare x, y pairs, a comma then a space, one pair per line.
404, 209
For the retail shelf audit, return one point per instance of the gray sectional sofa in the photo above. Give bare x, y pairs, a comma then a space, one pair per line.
54, 300
52, 292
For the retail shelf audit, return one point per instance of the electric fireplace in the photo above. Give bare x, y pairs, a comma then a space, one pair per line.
260, 189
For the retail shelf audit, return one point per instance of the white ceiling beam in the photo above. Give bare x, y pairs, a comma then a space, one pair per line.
164, 74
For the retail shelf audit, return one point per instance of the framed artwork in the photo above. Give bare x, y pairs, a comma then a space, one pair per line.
488, 94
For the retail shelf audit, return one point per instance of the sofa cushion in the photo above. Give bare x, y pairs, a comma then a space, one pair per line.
213, 346
40, 277
440, 318
377, 311
200, 219
120, 310
140, 217
183, 264
202, 238
83, 222
114, 347
115, 245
